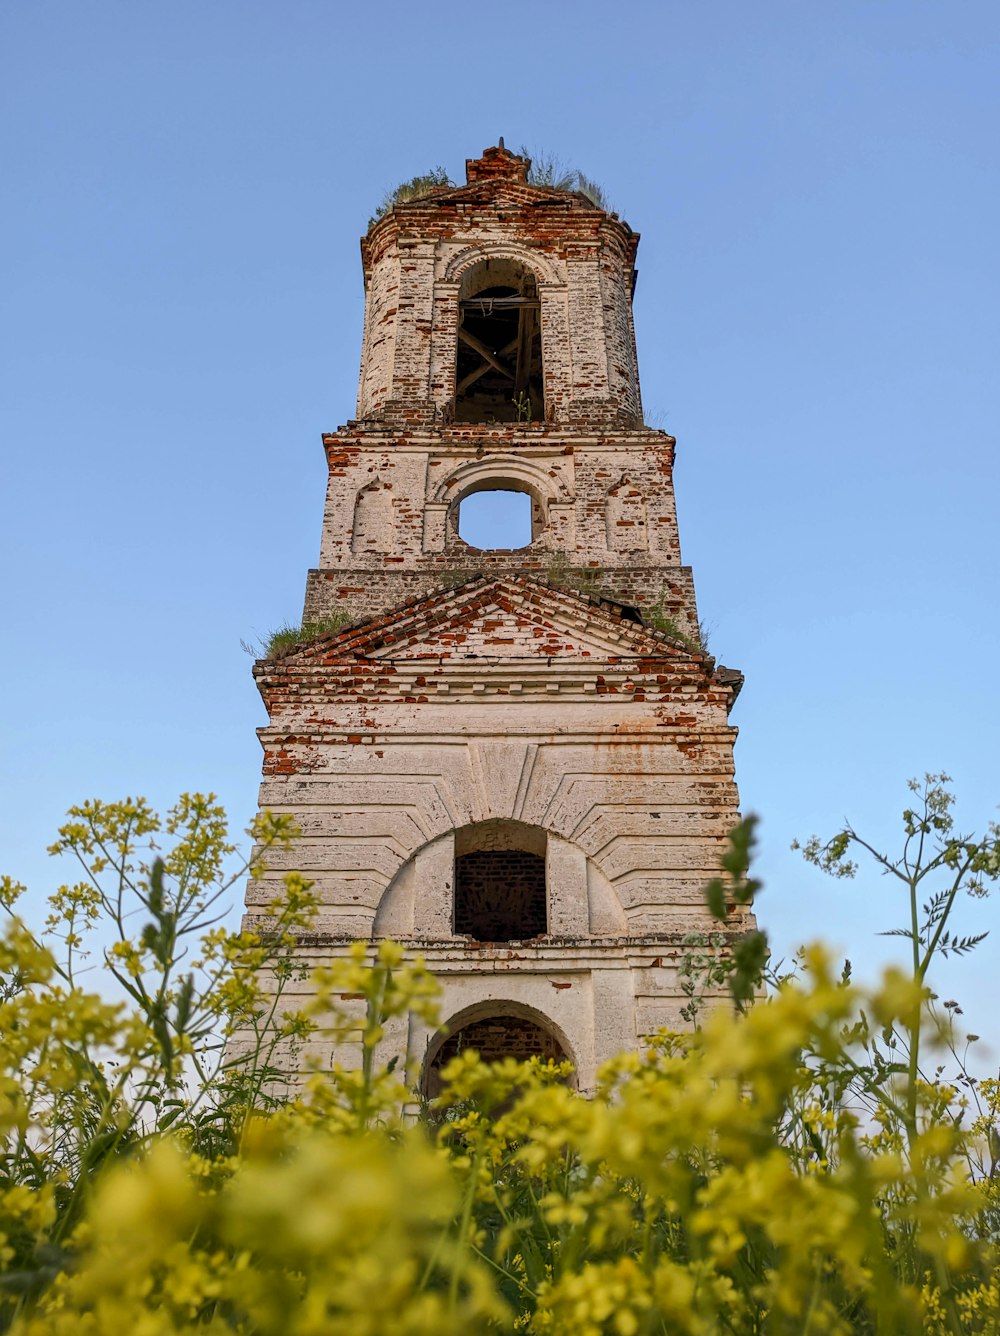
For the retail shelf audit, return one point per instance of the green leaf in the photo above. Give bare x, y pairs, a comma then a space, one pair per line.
715, 898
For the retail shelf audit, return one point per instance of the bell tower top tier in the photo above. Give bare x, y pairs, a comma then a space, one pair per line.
499, 301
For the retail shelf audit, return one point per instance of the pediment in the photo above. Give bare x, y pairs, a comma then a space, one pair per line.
500, 192
496, 619
504, 191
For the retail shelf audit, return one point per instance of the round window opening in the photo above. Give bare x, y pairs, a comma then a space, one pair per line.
494, 521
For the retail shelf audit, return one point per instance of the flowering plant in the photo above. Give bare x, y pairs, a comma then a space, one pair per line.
789, 1166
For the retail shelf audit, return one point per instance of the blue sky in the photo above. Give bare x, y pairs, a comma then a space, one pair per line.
818, 192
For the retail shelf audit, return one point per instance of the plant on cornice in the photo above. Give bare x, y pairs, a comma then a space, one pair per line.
548, 170
655, 419
657, 617
415, 188
281, 641
286, 638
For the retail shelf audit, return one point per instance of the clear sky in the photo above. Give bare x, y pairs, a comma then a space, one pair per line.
818, 192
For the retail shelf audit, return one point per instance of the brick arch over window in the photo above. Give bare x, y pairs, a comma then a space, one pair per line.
546, 273
525, 274
551, 503
495, 1029
419, 900
453, 540
477, 475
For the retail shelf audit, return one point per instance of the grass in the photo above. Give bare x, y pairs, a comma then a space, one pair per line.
587, 581
548, 170
659, 619
579, 579
286, 637
415, 188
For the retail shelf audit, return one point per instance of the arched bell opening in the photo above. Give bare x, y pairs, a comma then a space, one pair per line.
494, 1030
500, 883
498, 368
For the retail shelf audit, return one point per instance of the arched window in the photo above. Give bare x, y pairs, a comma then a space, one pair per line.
496, 1030
498, 371
497, 519
500, 893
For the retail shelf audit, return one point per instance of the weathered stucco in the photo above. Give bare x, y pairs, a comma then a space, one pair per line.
544, 707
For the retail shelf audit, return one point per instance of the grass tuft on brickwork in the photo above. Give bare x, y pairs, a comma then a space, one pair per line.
584, 580
548, 170
657, 617
286, 637
415, 188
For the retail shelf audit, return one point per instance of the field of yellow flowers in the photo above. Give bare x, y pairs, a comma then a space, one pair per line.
799, 1163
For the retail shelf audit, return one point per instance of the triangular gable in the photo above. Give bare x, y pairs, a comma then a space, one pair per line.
492, 619
501, 190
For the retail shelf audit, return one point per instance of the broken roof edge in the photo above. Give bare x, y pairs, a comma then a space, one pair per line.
497, 166
497, 162
486, 192
358, 628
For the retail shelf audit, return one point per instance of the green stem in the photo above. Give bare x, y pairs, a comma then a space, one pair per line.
463, 1229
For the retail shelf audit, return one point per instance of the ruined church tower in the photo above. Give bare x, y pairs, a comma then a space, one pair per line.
516, 762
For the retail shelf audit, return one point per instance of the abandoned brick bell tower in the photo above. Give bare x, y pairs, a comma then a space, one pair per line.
515, 762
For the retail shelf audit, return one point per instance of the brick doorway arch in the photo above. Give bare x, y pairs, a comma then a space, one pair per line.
495, 1031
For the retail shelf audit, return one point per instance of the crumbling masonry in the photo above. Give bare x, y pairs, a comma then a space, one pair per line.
518, 763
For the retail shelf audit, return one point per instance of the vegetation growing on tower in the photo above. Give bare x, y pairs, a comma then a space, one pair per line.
546, 170
415, 188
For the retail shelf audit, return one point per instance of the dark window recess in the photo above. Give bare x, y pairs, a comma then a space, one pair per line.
499, 1037
500, 895
498, 376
